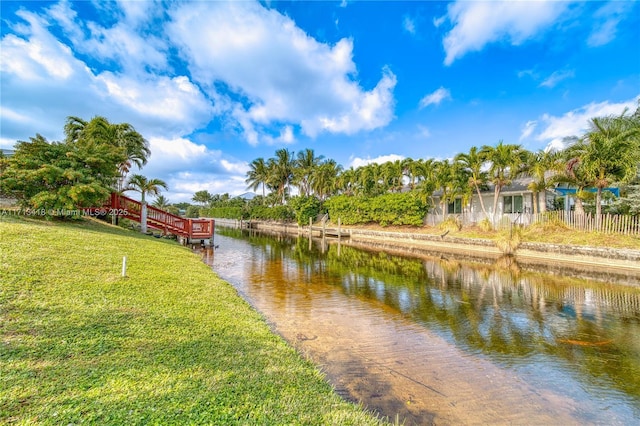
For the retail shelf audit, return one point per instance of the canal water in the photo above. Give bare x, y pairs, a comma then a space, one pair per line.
439, 341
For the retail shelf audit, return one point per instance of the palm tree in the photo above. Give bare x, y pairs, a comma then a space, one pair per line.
392, 174
574, 177
324, 179
161, 202
346, 181
305, 165
144, 186
444, 181
99, 130
281, 172
609, 152
539, 166
257, 175
202, 197
472, 163
506, 163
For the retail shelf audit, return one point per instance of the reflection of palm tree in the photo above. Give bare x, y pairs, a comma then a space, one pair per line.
144, 186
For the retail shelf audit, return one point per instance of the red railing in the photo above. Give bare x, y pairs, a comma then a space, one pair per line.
159, 219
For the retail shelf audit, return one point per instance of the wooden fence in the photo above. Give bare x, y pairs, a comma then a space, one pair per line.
606, 223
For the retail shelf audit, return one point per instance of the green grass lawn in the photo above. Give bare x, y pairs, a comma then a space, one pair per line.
169, 344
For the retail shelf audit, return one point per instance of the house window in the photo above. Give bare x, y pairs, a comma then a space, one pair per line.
455, 207
512, 204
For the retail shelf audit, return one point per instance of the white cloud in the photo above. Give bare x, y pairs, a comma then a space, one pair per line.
188, 167
435, 98
576, 122
423, 132
173, 105
298, 81
359, 162
476, 24
606, 20
126, 43
528, 129
409, 25
39, 59
556, 77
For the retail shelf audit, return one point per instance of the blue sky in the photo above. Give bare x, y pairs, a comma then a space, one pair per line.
213, 85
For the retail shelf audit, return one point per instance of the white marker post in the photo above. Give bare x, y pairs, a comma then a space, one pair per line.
124, 266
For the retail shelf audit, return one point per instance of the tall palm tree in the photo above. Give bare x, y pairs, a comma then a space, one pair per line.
257, 175
305, 164
472, 163
100, 131
392, 174
506, 162
324, 179
144, 186
609, 152
541, 166
281, 172
347, 182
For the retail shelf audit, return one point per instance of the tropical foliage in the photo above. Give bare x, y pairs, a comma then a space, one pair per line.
80, 171
607, 154
144, 186
57, 176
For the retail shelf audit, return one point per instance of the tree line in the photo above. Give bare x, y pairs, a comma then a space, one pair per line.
607, 154
97, 156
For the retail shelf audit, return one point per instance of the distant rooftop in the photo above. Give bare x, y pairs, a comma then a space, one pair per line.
247, 196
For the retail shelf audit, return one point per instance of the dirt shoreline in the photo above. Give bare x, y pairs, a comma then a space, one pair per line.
603, 260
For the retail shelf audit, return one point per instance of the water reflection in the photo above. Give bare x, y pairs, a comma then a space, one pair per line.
577, 337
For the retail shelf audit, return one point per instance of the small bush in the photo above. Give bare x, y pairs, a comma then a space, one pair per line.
485, 225
452, 223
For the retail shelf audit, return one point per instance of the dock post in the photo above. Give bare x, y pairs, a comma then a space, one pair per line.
338, 229
310, 227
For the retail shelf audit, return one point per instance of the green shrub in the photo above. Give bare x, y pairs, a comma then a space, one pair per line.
305, 208
387, 209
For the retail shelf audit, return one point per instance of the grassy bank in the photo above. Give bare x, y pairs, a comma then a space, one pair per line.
549, 234
169, 344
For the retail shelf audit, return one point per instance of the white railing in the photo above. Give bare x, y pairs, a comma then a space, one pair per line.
606, 223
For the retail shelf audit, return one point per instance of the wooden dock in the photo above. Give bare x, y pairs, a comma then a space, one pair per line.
330, 232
